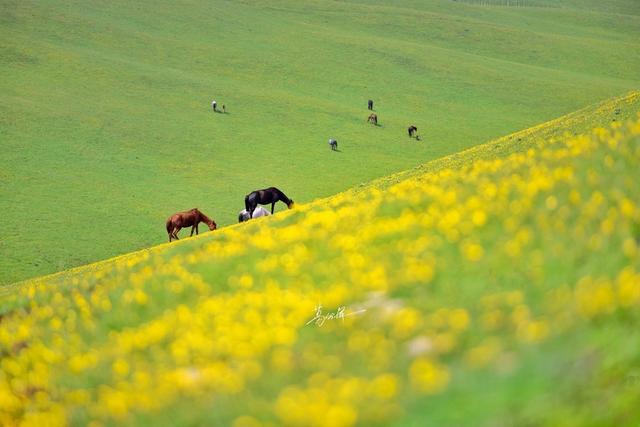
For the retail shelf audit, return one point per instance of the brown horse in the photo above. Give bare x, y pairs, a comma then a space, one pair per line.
373, 118
188, 219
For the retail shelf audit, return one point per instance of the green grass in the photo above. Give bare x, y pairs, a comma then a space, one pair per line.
521, 253
603, 114
105, 128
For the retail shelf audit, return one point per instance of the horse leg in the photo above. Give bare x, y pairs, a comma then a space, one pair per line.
175, 232
249, 206
196, 229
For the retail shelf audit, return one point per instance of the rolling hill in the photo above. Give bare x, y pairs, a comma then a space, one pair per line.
497, 286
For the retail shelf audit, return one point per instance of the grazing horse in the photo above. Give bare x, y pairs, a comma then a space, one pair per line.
333, 144
264, 197
412, 130
244, 214
373, 119
188, 219
370, 104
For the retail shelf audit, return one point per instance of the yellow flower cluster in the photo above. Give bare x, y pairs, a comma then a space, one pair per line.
347, 311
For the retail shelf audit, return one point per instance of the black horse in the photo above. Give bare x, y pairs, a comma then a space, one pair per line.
370, 104
264, 197
412, 130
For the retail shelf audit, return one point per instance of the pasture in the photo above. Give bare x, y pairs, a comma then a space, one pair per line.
106, 128
497, 286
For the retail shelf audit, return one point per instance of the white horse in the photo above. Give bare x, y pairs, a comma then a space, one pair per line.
258, 212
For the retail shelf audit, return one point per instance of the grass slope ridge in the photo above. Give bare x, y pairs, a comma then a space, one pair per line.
503, 292
106, 126
582, 121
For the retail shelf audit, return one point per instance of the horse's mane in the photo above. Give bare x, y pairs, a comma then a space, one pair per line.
284, 196
198, 212
203, 216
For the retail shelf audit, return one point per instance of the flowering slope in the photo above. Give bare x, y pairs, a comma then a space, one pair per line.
503, 291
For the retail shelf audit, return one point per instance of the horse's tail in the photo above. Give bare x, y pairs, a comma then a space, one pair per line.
169, 226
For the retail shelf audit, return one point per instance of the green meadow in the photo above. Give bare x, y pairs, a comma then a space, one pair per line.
498, 286
106, 127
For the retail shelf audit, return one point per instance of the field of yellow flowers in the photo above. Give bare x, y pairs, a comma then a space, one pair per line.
502, 292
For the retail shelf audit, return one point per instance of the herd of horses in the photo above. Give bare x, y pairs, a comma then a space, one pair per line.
192, 218
373, 119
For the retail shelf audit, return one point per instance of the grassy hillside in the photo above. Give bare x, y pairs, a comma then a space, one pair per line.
603, 114
105, 127
503, 291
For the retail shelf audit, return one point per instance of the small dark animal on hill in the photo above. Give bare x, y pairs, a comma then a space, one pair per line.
412, 130
373, 118
224, 108
185, 219
370, 105
333, 144
264, 197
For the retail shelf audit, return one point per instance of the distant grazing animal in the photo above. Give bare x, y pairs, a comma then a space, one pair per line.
188, 219
264, 197
412, 130
214, 105
373, 118
333, 144
224, 108
370, 105
260, 211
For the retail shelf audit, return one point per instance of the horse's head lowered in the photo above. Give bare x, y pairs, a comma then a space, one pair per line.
212, 225
290, 204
